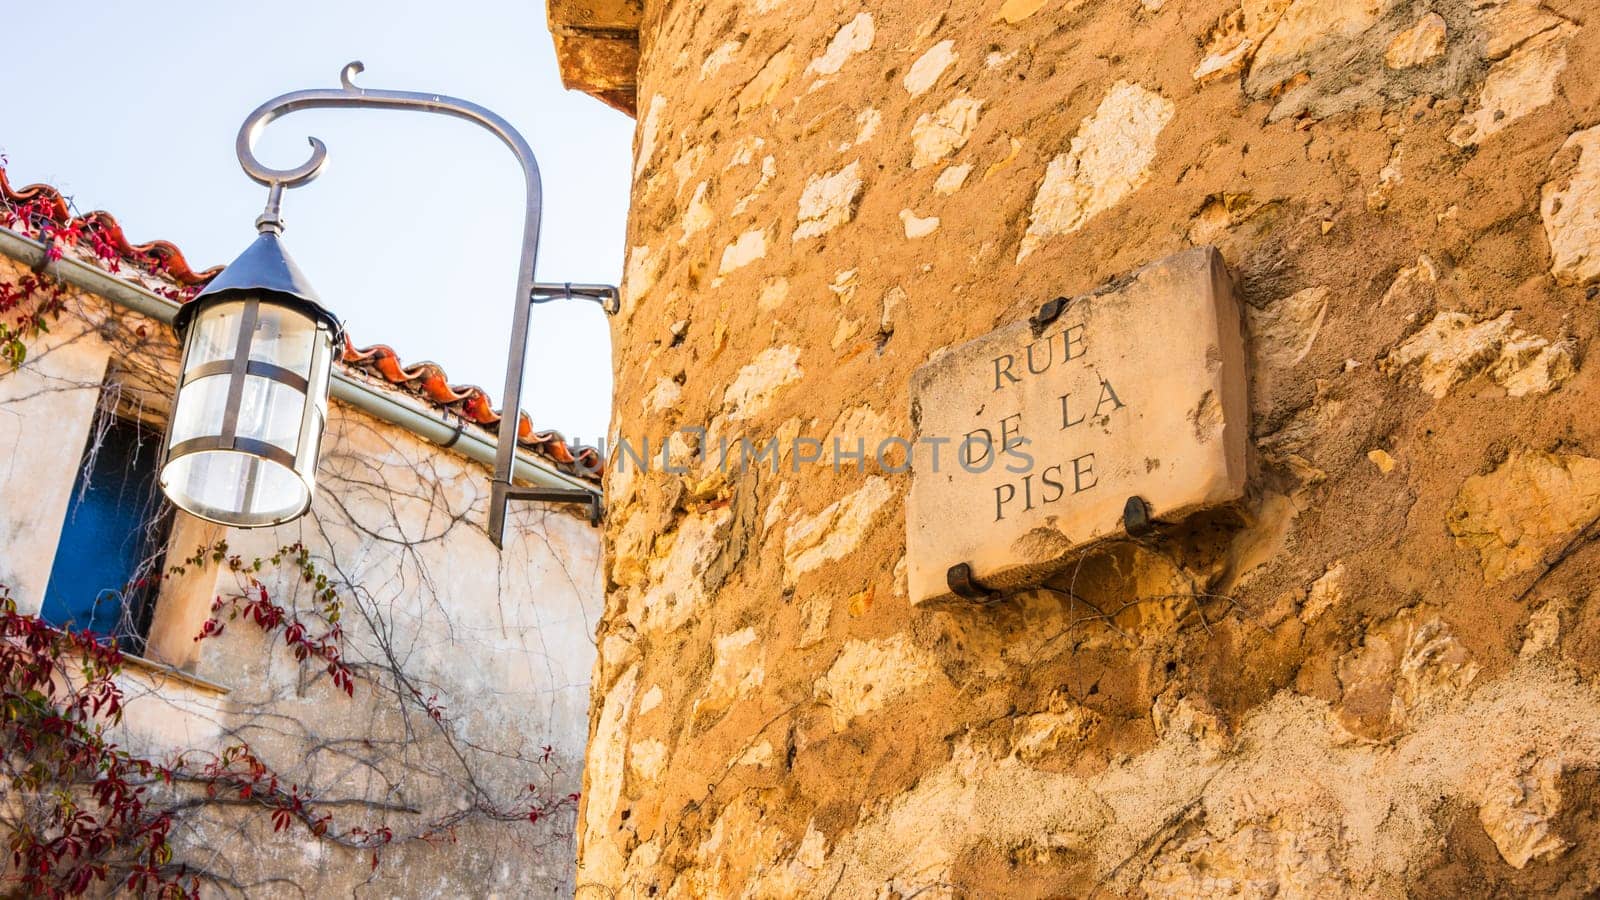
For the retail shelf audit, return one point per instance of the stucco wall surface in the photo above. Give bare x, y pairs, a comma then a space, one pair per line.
1377, 679
501, 641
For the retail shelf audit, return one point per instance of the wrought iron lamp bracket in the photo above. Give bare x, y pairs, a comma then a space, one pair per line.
348, 94
609, 298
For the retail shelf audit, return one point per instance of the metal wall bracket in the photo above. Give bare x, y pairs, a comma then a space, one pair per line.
1049, 311
963, 585
1137, 517
597, 512
609, 298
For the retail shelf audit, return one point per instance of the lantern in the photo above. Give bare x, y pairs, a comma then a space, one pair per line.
252, 395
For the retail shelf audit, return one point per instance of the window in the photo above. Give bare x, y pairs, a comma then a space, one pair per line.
114, 537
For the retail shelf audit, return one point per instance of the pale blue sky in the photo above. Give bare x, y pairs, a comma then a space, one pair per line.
412, 232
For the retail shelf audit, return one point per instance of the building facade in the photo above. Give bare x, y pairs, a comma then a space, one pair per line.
1373, 676
470, 664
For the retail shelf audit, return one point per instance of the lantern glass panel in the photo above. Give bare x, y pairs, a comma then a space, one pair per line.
235, 488
202, 403
216, 334
270, 411
284, 338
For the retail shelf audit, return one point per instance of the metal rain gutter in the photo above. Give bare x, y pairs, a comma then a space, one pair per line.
346, 388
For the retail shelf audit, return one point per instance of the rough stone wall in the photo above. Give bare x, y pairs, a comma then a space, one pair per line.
501, 640
1380, 679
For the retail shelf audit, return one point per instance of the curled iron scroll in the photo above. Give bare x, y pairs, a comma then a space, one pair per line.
263, 174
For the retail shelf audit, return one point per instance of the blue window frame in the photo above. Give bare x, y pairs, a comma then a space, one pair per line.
114, 537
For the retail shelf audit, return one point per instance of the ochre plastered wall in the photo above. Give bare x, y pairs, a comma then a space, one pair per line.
1378, 679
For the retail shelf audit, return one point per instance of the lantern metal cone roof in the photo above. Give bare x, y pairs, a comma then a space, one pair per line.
264, 266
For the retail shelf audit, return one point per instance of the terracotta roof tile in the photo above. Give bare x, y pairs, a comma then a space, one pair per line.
43, 212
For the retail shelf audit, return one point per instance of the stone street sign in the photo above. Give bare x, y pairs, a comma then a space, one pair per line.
1030, 441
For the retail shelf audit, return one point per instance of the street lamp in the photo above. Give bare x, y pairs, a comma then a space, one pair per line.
252, 396
252, 392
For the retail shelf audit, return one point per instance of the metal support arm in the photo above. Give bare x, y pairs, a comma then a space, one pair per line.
597, 512
609, 298
349, 95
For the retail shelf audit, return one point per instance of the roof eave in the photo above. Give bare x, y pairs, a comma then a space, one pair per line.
597, 48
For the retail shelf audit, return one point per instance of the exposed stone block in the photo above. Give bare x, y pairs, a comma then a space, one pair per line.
677, 569
1109, 159
1453, 348
836, 530
828, 201
1517, 812
749, 247
1529, 506
929, 66
918, 226
855, 36
757, 383
604, 771
951, 179
1516, 86
1403, 665
1418, 45
1305, 24
1570, 205
736, 670
867, 675
765, 86
937, 135
646, 759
